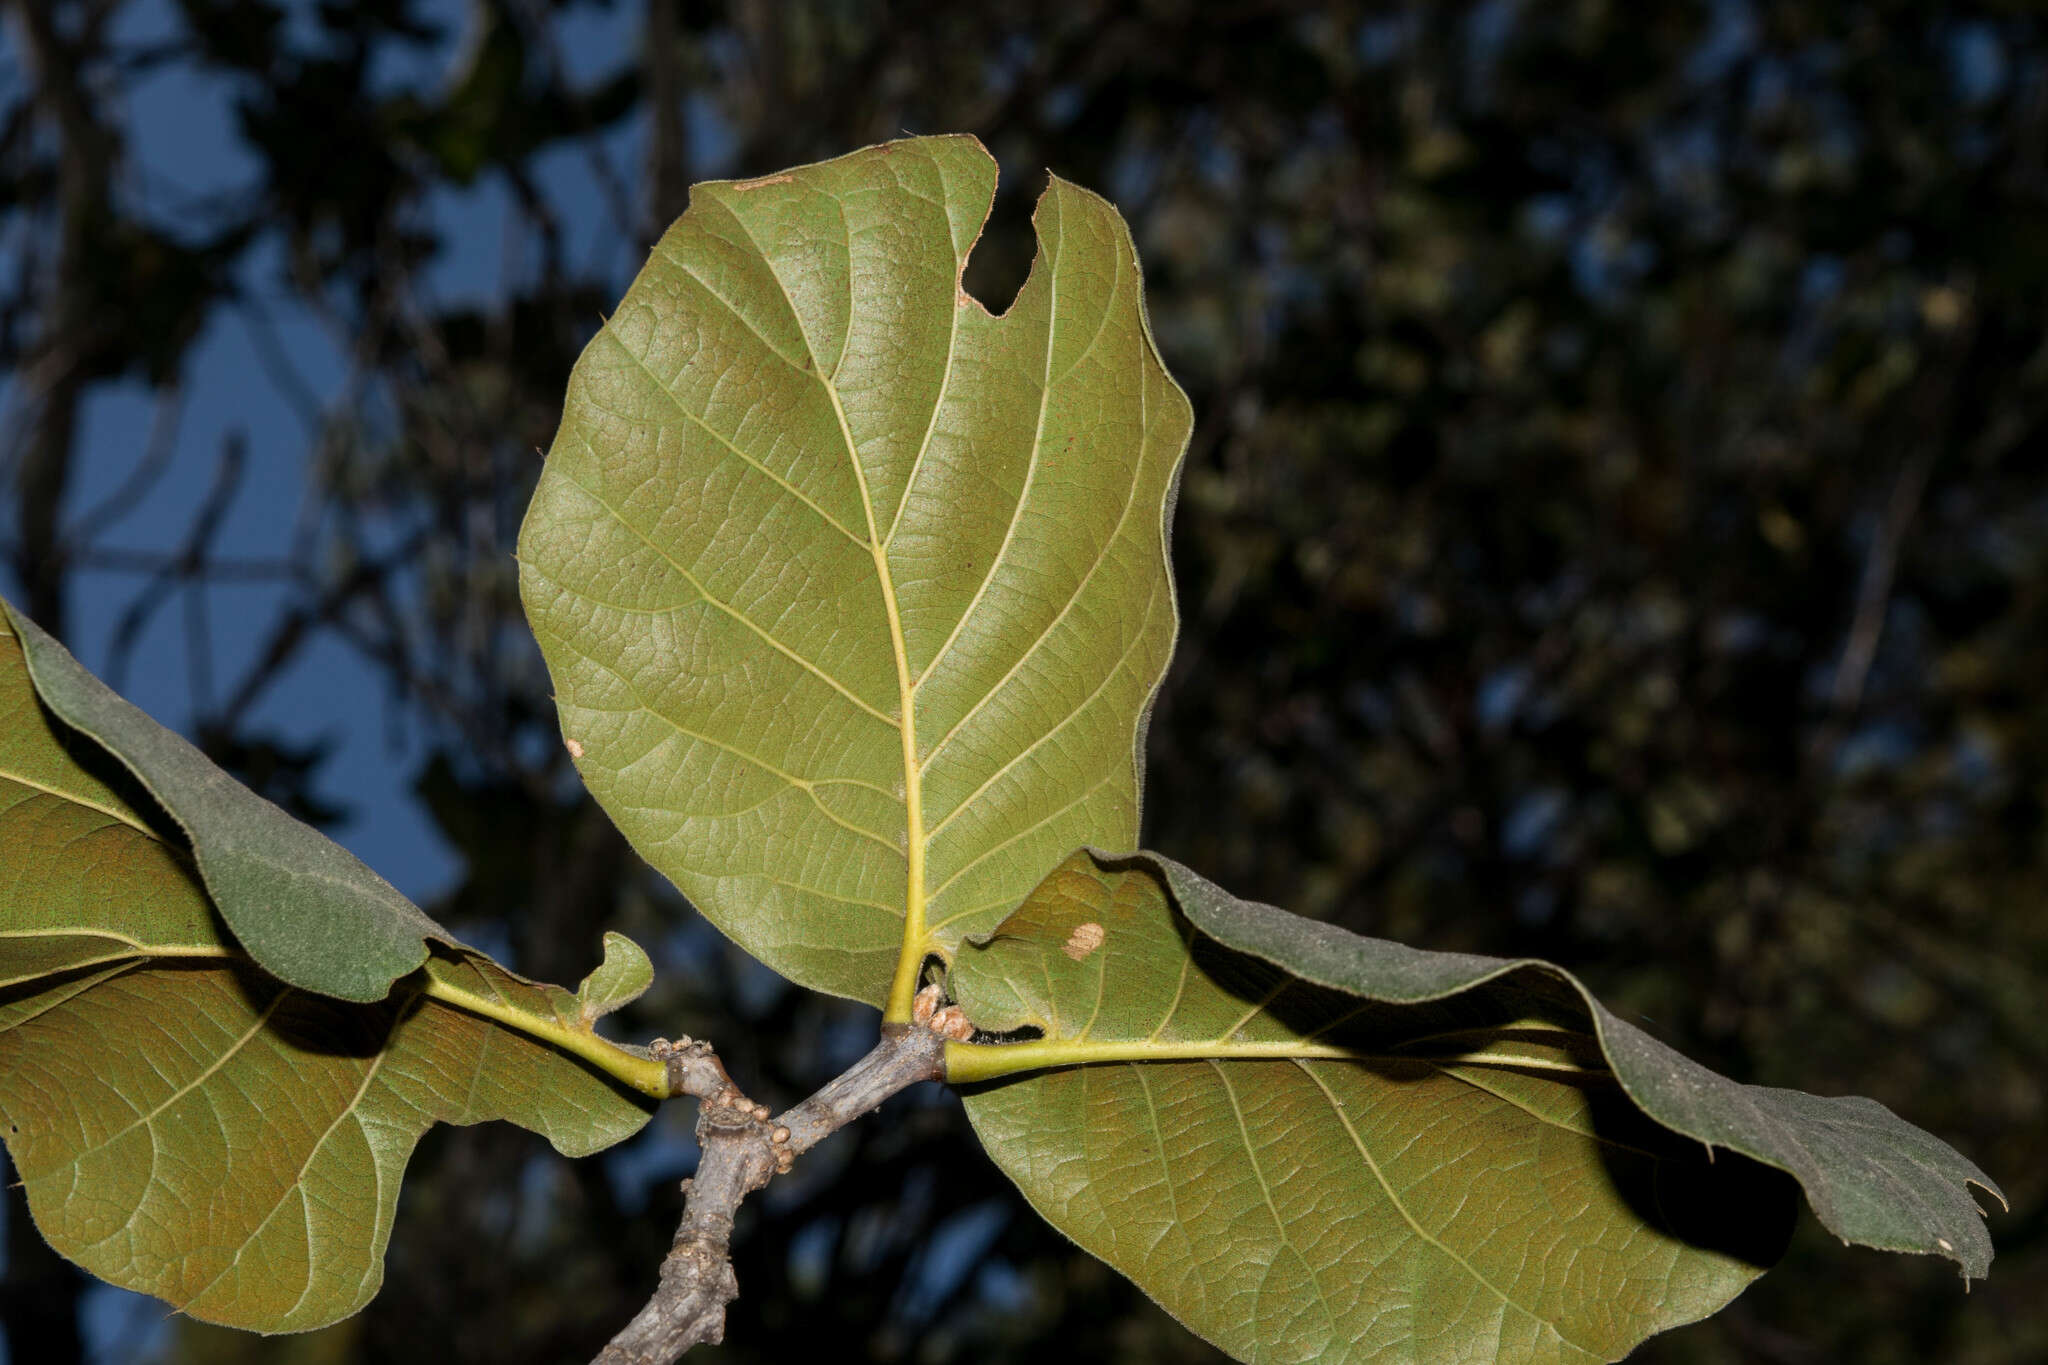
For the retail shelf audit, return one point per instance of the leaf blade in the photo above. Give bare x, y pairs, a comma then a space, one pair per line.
797, 411
305, 907
189, 1126
1206, 1086
621, 978
1673, 1089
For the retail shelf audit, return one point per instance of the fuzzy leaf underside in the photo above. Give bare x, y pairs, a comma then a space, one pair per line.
301, 904
1308, 1145
187, 1125
855, 597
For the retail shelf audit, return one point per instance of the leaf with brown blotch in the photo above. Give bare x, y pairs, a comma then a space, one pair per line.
1309, 1145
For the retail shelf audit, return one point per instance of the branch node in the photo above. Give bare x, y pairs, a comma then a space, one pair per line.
742, 1150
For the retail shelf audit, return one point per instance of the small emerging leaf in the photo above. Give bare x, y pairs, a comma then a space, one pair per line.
1309, 1145
189, 1126
623, 977
854, 597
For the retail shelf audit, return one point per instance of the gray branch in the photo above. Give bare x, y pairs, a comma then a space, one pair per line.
742, 1150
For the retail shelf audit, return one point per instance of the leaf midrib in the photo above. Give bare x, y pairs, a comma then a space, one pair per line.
910, 957
643, 1074
990, 1061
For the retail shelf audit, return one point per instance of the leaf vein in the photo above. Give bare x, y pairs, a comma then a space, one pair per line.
1109, 676
807, 785
201, 1079
681, 263
1315, 1276
1023, 492
1029, 651
726, 607
1399, 1207
1021, 834
369, 1074
719, 436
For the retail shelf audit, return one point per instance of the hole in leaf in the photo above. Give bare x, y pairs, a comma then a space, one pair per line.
1000, 261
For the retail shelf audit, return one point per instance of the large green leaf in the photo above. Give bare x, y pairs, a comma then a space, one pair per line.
1309, 1145
303, 906
855, 596
187, 1125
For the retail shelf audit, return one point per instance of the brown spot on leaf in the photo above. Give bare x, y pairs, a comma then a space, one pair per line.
742, 186
575, 747
1085, 939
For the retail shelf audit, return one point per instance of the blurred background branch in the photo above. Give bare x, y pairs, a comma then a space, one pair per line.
1616, 531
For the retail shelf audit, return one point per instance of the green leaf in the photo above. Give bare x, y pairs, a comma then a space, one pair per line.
302, 905
854, 596
1309, 1145
623, 977
187, 1125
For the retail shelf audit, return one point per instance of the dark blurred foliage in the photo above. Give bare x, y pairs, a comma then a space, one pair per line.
1616, 530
